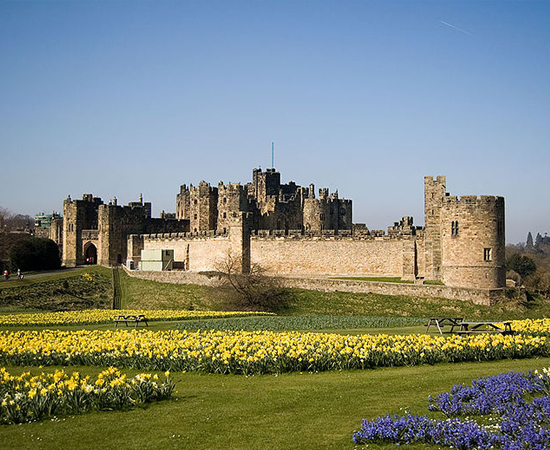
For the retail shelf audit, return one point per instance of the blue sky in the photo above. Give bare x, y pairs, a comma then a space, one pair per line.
118, 98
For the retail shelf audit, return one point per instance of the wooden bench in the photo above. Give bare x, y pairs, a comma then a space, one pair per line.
485, 327
135, 319
442, 321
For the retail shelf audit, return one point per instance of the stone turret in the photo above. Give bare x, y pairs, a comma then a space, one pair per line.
78, 216
434, 193
232, 200
203, 204
472, 241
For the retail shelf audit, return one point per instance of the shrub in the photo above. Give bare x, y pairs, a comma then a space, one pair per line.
35, 254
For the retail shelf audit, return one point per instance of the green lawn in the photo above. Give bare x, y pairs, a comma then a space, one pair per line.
290, 411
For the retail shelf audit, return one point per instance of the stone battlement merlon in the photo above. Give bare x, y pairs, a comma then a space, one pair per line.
473, 199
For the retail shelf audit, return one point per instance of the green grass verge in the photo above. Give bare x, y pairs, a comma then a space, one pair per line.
377, 279
291, 411
389, 280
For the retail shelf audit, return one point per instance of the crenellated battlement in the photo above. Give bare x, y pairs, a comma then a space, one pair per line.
480, 200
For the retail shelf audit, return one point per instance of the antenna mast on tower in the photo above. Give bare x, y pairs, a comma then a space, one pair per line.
272, 154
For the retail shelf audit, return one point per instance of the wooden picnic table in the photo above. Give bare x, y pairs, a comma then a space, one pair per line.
135, 319
485, 327
442, 321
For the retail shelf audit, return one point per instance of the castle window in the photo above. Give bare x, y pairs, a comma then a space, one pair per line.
454, 228
195, 217
487, 254
195, 202
225, 200
224, 215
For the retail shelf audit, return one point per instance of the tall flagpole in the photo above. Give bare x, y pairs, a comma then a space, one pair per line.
273, 154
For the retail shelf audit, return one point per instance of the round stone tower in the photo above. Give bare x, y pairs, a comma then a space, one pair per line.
473, 241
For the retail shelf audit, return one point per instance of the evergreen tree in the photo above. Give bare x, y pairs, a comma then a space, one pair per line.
521, 264
529, 243
538, 241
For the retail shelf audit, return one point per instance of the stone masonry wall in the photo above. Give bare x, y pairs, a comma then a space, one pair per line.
477, 296
319, 256
473, 245
200, 253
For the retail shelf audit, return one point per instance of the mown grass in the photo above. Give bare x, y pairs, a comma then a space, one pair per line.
389, 280
378, 279
300, 323
348, 304
290, 411
64, 290
144, 294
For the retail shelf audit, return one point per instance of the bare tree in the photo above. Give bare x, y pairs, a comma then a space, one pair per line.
255, 289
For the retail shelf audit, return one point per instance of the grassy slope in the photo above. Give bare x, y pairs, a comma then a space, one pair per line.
298, 411
148, 294
62, 290
143, 294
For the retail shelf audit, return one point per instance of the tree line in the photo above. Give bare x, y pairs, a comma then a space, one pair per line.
528, 264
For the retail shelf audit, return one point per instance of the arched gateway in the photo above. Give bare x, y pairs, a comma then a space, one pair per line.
90, 253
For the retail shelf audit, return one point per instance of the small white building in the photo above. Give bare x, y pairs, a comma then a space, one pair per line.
156, 260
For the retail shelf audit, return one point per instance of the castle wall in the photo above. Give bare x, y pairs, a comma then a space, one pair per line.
199, 254
326, 256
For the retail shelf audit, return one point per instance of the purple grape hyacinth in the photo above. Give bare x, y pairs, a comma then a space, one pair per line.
522, 424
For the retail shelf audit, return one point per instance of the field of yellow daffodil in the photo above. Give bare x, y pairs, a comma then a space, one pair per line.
255, 352
96, 316
27, 398
532, 326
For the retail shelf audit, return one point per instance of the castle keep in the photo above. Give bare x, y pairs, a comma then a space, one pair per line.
295, 231
268, 204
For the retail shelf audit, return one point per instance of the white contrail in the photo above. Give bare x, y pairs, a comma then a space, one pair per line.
456, 28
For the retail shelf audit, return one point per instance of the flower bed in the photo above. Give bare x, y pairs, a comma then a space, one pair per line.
94, 316
255, 352
27, 398
519, 416
532, 326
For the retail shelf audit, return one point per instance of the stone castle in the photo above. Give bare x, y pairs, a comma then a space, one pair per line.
289, 230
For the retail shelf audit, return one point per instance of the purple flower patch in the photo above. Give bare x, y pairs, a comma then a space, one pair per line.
523, 418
